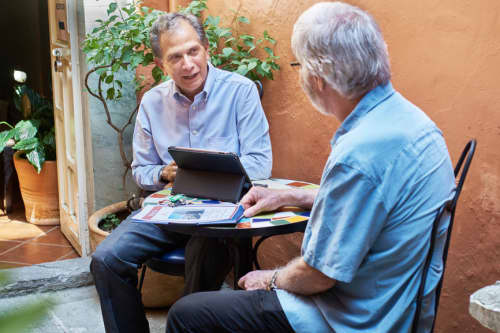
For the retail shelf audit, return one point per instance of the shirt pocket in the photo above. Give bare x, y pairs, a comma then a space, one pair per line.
223, 143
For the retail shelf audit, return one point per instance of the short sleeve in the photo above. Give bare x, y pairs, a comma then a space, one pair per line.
347, 216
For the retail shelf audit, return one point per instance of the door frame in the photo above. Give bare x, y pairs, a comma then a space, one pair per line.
75, 20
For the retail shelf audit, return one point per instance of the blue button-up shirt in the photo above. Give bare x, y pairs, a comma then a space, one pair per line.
388, 173
226, 115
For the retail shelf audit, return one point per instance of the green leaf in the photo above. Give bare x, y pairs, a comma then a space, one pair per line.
36, 157
110, 93
269, 51
244, 19
242, 69
27, 144
148, 59
250, 44
109, 79
21, 318
265, 67
24, 129
157, 74
227, 51
112, 7
4, 137
252, 65
247, 37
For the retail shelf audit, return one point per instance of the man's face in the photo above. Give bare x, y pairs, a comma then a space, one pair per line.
184, 59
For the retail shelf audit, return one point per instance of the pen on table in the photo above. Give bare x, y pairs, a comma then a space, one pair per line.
261, 185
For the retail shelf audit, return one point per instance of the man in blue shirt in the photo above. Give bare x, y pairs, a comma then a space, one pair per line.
388, 174
201, 107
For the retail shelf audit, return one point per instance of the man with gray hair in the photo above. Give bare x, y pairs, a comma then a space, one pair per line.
387, 176
200, 107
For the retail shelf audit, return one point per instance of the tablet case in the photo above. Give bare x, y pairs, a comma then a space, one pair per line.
209, 174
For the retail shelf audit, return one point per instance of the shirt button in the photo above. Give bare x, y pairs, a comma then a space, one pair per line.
195, 132
194, 108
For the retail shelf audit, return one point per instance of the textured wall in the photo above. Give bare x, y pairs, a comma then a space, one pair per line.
107, 163
445, 57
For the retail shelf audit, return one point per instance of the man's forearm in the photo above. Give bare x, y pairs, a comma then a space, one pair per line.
299, 278
299, 198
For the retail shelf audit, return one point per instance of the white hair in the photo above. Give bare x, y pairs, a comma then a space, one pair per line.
344, 46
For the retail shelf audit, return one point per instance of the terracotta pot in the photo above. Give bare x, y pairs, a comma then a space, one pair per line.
39, 191
158, 290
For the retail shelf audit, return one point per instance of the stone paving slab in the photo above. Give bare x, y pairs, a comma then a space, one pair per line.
52, 276
484, 306
77, 310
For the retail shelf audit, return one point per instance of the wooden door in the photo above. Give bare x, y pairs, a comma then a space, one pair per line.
72, 125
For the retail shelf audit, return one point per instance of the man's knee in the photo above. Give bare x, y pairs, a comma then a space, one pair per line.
179, 313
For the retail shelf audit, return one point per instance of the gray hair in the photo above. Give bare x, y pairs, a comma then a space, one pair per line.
169, 22
344, 46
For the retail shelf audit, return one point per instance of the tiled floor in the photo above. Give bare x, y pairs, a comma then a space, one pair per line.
24, 244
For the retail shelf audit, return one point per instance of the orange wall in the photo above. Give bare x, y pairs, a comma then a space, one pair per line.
445, 58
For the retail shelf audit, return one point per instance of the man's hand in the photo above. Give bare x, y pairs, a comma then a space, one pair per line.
169, 172
260, 199
256, 280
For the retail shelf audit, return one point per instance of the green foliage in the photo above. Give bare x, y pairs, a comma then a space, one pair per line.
20, 319
122, 41
109, 222
234, 52
35, 135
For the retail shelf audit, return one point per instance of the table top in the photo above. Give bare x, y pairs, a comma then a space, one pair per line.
285, 220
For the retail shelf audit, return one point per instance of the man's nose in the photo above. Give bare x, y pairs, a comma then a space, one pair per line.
187, 62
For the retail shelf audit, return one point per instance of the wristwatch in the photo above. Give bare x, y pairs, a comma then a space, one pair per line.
272, 284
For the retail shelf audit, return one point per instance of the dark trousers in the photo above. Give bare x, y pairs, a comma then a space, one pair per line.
228, 311
116, 261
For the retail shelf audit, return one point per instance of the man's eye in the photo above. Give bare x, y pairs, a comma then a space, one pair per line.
193, 51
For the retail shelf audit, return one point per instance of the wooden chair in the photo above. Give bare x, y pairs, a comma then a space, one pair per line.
460, 175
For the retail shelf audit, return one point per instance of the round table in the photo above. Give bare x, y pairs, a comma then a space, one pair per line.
239, 237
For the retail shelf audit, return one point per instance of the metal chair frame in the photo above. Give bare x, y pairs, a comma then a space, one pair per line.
467, 155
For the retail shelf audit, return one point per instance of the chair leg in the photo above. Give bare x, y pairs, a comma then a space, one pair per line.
143, 273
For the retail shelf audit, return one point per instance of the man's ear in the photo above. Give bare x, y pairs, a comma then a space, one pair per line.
319, 83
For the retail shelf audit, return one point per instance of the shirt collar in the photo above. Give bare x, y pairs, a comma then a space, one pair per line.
373, 98
207, 87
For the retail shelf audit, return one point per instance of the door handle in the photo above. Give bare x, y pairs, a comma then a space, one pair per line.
58, 54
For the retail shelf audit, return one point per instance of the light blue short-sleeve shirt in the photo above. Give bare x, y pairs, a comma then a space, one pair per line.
387, 175
226, 115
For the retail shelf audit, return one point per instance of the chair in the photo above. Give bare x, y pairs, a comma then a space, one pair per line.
173, 262
467, 155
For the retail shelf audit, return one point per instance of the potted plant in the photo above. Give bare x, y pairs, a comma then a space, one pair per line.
33, 138
121, 41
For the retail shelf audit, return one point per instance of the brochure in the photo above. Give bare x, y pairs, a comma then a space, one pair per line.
198, 214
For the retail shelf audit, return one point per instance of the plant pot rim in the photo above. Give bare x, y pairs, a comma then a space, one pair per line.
97, 216
17, 155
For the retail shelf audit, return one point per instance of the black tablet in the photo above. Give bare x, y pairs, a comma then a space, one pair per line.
209, 174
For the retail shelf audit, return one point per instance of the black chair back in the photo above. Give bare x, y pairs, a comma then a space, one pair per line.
460, 174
